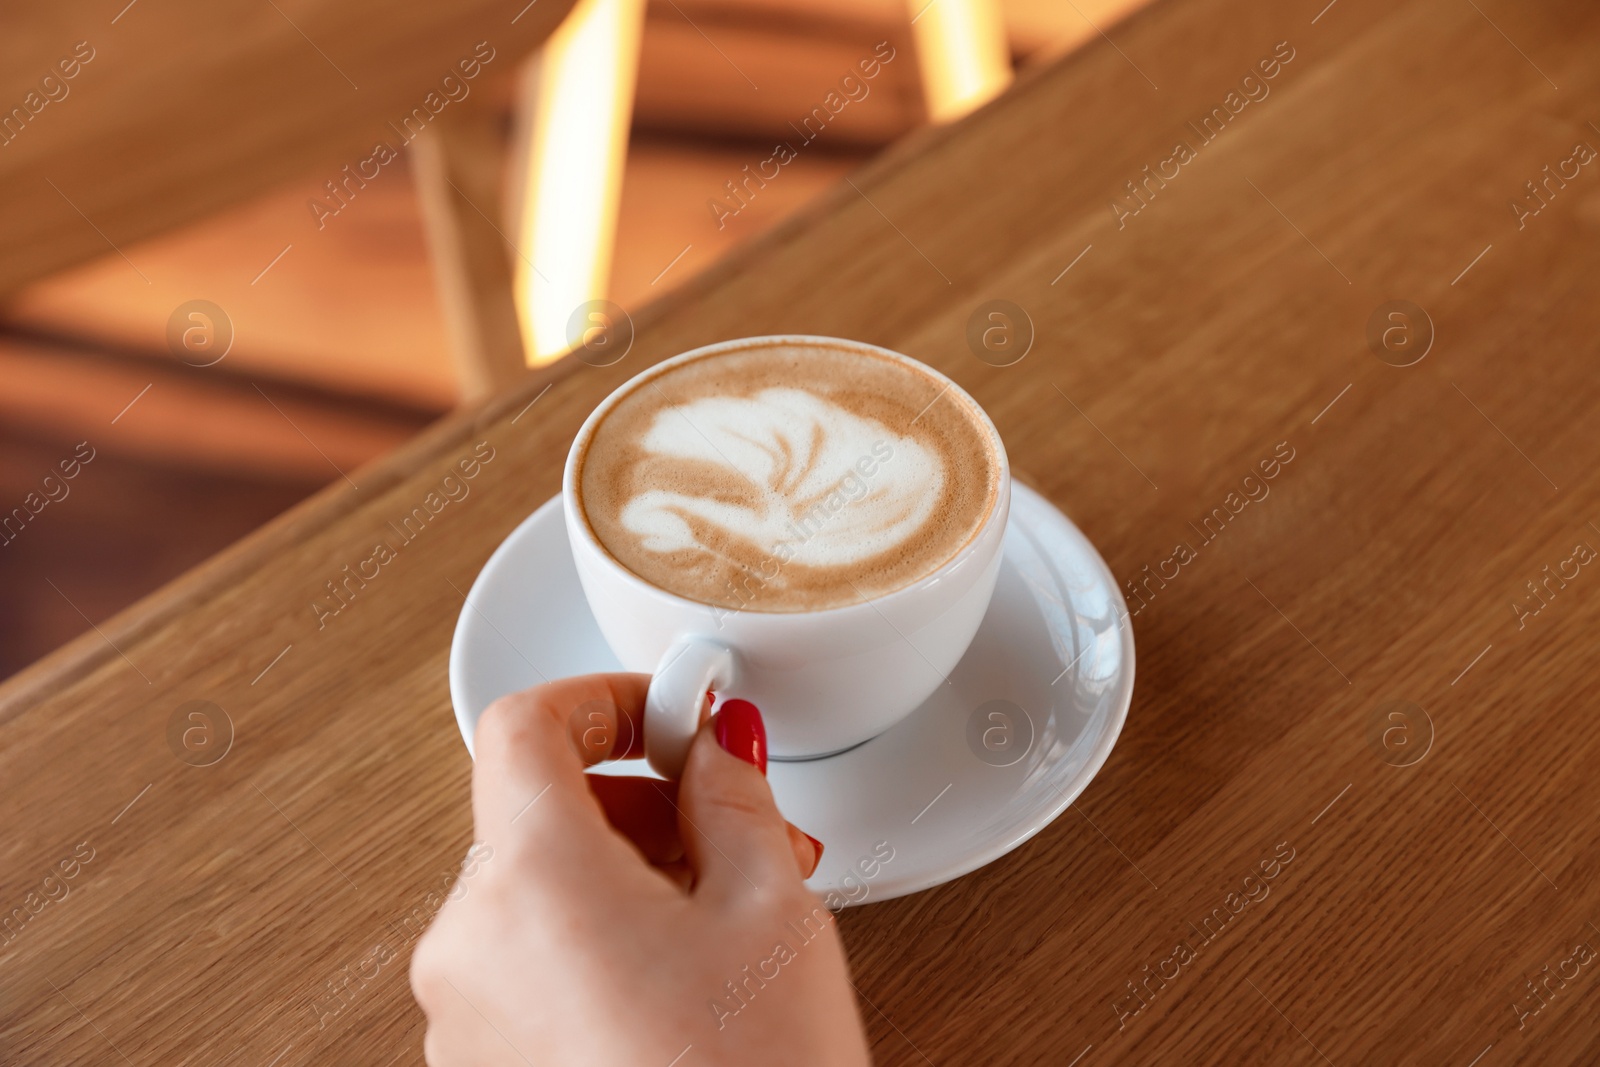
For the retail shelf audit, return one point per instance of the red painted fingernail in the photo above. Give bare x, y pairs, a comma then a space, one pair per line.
740, 731
818, 861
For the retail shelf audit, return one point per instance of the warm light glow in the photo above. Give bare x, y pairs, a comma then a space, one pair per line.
962, 51
580, 91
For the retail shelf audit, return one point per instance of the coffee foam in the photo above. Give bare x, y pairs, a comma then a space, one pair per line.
787, 477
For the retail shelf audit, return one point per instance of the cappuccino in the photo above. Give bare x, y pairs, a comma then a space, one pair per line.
788, 477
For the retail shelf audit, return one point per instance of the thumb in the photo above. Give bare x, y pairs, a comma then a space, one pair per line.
734, 839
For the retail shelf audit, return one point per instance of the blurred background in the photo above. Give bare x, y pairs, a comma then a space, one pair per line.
360, 275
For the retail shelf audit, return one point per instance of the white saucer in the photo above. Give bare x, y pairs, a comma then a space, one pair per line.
988, 761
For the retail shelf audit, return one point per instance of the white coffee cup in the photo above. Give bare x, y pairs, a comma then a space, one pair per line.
826, 680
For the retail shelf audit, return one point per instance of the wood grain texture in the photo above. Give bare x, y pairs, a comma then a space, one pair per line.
1227, 317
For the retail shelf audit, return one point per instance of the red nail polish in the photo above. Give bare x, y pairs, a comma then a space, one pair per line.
818, 846
740, 731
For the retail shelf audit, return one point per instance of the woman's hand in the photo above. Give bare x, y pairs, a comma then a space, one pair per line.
626, 920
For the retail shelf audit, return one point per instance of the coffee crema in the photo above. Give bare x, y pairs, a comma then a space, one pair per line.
786, 477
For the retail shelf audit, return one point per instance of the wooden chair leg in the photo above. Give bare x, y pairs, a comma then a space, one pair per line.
459, 164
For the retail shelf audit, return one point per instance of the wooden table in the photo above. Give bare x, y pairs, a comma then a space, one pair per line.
1372, 680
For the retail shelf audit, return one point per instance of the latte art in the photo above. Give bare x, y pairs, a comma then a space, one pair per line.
787, 478
825, 487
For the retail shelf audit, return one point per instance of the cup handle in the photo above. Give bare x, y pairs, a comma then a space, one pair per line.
689, 669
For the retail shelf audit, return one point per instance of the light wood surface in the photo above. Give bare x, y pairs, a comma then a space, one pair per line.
1387, 563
